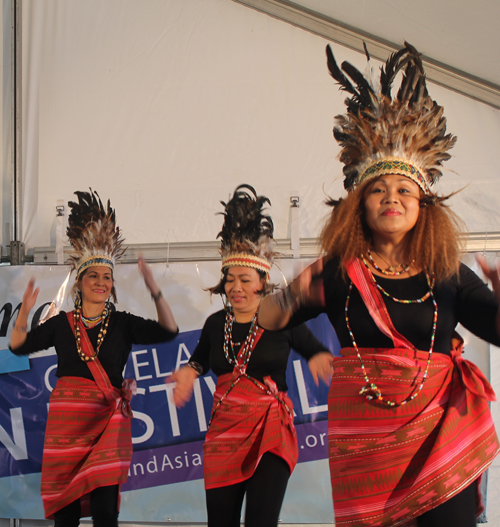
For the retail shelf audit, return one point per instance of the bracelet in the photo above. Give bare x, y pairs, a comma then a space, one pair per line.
21, 329
157, 296
196, 367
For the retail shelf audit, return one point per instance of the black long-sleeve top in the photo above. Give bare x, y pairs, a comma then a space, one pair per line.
463, 299
269, 357
123, 330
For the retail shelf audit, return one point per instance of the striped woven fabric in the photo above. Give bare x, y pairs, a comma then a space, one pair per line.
389, 465
249, 423
88, 444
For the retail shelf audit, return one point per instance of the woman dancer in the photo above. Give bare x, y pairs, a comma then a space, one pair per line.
410, 431
251, 445
88, 444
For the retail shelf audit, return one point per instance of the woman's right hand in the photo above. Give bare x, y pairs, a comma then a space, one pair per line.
275, 310
30, 296
184, 378
19, 331
305, 288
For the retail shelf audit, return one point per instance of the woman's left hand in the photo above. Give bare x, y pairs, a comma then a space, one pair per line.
492, 274
147, 274
165, 316
321, 367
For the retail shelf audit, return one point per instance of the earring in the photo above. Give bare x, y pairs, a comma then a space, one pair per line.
78, 299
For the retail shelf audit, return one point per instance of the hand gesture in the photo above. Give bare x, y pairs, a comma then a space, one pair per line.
184, 377
147, 274
30, 296
321, 366
307, 287
492, 274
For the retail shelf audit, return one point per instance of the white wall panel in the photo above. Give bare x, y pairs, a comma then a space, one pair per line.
166, 105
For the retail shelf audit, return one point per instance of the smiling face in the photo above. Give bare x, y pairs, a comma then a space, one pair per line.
96, 284
392, 206
242, 290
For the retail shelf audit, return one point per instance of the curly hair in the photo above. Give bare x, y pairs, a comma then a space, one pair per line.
434, 243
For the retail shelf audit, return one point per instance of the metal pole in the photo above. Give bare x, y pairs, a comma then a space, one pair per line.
16, 246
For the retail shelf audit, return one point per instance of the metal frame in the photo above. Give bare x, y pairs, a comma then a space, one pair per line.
16, 249
379, 48
206, 251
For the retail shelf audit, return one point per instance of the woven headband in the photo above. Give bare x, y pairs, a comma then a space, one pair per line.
246, 260
95, 261
394, 165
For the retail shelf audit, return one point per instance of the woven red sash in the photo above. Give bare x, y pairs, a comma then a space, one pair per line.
88, 441
250, 423
391, 464
249, 418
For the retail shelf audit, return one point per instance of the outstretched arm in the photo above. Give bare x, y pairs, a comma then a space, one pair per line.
165, 317
275, 310
20, 329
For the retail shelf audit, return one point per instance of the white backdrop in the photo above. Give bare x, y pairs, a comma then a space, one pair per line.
166, 105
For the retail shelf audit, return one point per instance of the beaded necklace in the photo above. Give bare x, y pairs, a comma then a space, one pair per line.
391, 270
77, 315
423, 298
247, 345
241, 360
91, 321
370, 390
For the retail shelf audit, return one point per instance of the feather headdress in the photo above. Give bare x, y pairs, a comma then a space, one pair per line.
93, 233
247, 233
381, 135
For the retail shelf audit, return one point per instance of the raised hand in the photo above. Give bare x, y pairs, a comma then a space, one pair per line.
30, 296
147, 274
18, 336
493, 275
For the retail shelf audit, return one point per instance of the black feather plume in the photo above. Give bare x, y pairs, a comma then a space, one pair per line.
245, 226
336, 73
92, 229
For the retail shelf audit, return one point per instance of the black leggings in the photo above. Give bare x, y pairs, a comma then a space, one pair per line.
459, 511
103, 508
265, 491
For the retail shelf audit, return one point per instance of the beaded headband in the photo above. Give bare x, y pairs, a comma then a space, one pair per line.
391, 165
379, 135
95, 261
246, 260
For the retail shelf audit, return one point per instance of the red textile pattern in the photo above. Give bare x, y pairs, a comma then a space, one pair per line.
250, 423
88, 444
389, 465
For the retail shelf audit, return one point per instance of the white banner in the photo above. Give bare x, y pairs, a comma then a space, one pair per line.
165, 480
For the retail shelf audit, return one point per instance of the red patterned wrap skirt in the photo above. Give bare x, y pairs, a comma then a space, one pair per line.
88, 444
389, 465
248, 423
